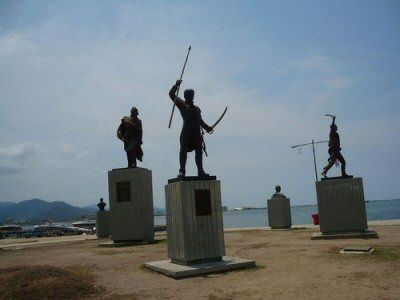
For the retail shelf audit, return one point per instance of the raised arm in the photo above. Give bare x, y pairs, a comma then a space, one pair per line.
172, 94
333, 120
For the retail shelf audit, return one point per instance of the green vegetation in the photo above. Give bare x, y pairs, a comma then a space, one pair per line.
387, 253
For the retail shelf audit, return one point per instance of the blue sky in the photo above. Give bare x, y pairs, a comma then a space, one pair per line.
69, 70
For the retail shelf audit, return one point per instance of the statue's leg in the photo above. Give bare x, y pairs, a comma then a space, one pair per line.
342, 161
182, 162
133, 156
199, 162
331, 162
128, 156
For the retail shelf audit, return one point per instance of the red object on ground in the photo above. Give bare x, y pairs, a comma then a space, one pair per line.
315, 218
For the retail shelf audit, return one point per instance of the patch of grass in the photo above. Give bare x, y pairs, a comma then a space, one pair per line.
380, 252
46, 282
386, 253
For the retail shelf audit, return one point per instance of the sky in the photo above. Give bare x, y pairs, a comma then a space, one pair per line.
70, 70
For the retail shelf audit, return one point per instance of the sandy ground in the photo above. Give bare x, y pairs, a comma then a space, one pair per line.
289, 266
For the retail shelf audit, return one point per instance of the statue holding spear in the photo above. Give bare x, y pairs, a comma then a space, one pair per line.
191, 137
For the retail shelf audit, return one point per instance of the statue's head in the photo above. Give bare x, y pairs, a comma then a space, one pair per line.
189, 96
101, 200
134, 111
334, 127
278, 188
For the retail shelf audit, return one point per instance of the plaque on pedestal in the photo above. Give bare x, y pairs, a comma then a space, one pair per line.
195, 229
102, 223
341, 208
131, 205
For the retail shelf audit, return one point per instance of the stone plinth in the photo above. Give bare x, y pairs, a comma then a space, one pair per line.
279, 213
194, 220
341, 207
195, 232
131, 205
102, 223
180, 271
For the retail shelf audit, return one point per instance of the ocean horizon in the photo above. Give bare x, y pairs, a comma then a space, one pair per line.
377, 210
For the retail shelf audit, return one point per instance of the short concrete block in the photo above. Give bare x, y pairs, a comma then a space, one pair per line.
367, 234
131, 204
176, 271
279, 215
102, 223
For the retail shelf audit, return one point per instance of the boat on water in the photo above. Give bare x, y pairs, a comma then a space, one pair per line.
86, 224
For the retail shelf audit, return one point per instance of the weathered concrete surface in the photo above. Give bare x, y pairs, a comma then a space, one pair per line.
131, 204
341, 205
194, 224
179, 271
102, 223
279, 215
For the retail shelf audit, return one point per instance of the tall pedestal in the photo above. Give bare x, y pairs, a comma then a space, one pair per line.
341, 208
279, 216
195, 229
103, 223
194, 221
131, 205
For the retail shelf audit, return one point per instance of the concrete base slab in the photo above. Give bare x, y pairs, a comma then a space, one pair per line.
357, 250
125, 244
367, 234
178, 271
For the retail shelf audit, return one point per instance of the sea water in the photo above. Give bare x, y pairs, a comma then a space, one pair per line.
376, 210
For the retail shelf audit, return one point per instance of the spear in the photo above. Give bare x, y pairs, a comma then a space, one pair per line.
177, 91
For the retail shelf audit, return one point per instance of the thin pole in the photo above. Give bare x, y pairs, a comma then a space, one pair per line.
177, 91
313, 149
315, 163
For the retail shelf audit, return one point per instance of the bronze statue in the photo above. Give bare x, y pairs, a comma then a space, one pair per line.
131, 133
278, 193
334, 150
191, 135
101, 204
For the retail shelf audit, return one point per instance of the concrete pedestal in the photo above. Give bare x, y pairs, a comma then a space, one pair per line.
131, 205
102, 223
341, 208
194, 221
279, 215
195, 232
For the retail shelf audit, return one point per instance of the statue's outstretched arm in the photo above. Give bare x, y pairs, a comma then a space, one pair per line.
172, 94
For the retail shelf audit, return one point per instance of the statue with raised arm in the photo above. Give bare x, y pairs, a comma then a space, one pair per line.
334, 150
131, 133
191, 136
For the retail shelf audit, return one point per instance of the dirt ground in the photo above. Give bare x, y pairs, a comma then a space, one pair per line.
289, 266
